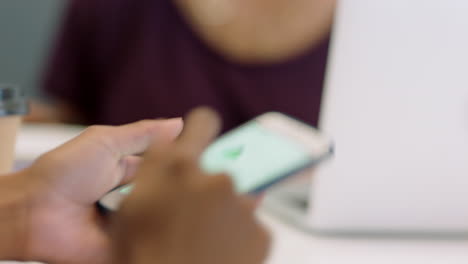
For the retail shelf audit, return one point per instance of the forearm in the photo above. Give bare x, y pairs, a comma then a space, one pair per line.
13, 217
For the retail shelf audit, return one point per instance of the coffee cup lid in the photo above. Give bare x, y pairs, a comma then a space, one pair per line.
12, 101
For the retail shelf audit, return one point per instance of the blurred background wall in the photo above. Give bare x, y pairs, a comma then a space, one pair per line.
26, 28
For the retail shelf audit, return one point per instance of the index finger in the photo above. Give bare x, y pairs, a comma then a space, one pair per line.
202, 125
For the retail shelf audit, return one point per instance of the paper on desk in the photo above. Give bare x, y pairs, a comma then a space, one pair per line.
34, 140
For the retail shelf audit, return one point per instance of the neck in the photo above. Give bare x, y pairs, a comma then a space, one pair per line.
260, 30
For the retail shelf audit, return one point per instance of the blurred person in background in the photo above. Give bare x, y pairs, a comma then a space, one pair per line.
117, 61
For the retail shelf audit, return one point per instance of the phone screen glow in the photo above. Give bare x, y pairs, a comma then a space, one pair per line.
254, 156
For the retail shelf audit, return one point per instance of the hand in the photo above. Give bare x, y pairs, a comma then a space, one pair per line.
178, 214
64, 185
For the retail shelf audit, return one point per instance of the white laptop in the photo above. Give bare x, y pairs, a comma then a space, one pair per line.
396, 104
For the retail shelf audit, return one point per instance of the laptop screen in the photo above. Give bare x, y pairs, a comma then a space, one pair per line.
396, 105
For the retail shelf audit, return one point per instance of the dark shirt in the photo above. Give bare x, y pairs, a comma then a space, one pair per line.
119, 61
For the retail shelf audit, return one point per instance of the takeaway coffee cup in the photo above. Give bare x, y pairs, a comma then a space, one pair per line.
13, 106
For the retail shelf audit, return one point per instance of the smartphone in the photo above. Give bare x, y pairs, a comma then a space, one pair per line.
257, 155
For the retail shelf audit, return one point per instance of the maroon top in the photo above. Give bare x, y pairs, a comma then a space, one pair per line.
118, 61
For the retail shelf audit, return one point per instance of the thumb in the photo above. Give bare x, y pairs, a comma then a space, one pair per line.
133, 139
130, 165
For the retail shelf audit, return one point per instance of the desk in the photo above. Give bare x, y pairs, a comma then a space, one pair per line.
291, 246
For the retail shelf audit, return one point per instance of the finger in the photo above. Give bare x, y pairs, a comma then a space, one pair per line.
130, 166
248, 203
202, 126
127, 168
137, 137
263, 243
155, 161
173, 162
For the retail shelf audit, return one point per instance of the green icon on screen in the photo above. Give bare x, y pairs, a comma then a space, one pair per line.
233, 153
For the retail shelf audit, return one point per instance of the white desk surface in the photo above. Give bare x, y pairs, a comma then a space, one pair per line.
291, 246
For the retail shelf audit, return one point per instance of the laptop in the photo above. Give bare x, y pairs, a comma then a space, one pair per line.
396, 105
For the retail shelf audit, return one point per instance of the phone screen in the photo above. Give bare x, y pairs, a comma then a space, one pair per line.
254, 156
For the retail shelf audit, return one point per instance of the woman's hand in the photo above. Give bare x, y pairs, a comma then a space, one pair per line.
178, 214
63, 224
